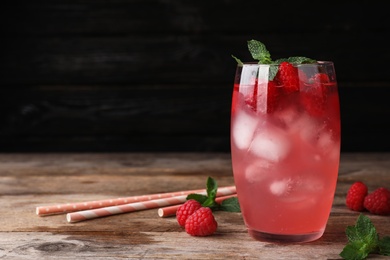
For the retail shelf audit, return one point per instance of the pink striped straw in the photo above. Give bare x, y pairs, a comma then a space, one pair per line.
137, 206
171, 210
72, 207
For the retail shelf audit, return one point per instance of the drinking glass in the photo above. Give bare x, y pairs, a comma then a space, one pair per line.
285, 149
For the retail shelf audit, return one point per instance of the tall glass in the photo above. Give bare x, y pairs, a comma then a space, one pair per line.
285, 148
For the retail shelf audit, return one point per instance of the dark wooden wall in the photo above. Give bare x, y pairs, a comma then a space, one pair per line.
156, 75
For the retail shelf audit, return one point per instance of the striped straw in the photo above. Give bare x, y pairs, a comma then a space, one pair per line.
137, 206
72, 207
171, 210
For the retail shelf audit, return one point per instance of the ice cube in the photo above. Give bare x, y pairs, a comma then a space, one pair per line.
257, 171
327, 146
244, 126
326, 142
313, 185
281, 187
306, 128
286, 116
299, 192
271, 144
287, 190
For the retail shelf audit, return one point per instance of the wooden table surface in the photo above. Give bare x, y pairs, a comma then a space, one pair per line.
31, 180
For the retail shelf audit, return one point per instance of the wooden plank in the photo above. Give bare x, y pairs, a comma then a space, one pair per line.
30, 180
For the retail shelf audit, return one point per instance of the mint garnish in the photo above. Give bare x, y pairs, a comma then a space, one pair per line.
259, 52
296, 60
237, 59
363, 240
230, 204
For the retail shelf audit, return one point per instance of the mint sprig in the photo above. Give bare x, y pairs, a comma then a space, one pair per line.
230, 204
363, 240
259, 52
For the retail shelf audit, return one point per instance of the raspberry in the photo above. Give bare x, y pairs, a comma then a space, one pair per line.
315, 93
201, 223
378, 202
355, 196
186, 210
273, 97
288, 77
319, 78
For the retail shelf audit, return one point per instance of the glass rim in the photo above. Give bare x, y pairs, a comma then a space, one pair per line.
317, 63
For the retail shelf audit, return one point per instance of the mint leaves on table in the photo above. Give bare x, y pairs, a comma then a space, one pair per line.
364, 240
259, 52
229, 204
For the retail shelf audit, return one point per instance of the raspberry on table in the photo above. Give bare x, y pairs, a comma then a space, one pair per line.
355, 196
201, 223
378, 201
186, 210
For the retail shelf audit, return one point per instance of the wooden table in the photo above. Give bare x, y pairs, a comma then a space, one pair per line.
31, 180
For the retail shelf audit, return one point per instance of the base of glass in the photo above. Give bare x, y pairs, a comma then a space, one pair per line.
279, 238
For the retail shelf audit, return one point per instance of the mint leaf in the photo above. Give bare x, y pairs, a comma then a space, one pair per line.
237, 60
230, 204
363, 240
198, 197
259, 52
384, 246
354, 251
296, 60
366, 231
211, 188
273, 70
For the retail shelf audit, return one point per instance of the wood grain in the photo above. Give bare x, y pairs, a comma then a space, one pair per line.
30, 180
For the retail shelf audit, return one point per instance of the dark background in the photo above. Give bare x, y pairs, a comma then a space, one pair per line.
157, 75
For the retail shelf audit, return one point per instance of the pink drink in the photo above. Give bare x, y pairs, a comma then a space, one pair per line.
285, 148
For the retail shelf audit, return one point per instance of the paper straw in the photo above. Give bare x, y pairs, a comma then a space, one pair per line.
171, 210
72, 207
137, 206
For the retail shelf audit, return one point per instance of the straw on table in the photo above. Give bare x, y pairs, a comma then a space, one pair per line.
171, 210
137, 206
72, 207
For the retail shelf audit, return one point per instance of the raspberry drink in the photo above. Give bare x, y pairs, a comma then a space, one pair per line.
285, 147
